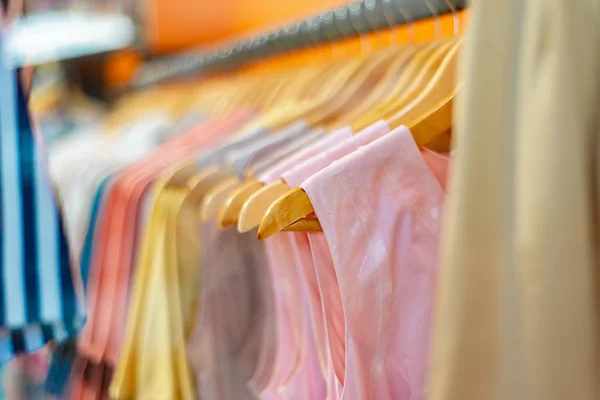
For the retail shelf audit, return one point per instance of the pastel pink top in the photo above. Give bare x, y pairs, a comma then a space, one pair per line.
302, 367
295, 176
326, 142
381, 211
326, 309
299, 341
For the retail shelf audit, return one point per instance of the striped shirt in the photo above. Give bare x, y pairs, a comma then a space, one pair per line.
37, 296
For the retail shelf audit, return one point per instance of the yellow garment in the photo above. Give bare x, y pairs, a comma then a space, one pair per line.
152, 363
517, 310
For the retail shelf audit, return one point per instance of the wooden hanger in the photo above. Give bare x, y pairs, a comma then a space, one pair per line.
433, 111
230, 213
421, 80
417, 75
257, 200
363, 80
381, 90
442, 87
214, 199
257, 203
352, 93
293, 207
335, 89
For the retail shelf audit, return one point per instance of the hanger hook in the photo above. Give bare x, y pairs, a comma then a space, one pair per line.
328, 18
370, 8
341, 20
436, 20
408, 21
323, 31
390, 20
455, 21
355, 10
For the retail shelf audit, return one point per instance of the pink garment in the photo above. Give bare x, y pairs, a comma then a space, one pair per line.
333, 313
295, 176
438, 164
321, 145
327, 311
289, 315
310, 356
381, 211
284, 336
308, 379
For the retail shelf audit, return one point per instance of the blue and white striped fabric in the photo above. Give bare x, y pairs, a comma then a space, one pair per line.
37, 296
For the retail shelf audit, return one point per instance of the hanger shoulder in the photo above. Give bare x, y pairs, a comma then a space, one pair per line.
308, 224
215, 198
431, 115
180, 174
441, 87
256, 206
415, 64
423, 78
230, 211
287, 209
433, 124
381, 90
200, 184
363, 80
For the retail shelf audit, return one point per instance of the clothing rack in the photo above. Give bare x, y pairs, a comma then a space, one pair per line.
344, 22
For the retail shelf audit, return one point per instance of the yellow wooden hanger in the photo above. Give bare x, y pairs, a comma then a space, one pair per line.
332, 90
229, 212
442, 87
364, 80
416, 76
256, 203
255, 200
289, 211
430, 115
381, 89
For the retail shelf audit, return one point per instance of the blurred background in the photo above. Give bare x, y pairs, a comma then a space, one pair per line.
89, 54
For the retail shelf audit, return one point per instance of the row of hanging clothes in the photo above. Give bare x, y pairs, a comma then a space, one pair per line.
288, 229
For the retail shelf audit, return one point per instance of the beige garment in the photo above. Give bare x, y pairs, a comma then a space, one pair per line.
517, 315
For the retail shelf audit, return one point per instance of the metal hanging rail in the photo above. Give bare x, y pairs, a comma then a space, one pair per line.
343, 22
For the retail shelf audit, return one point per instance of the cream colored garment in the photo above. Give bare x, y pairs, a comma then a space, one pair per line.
517, 313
